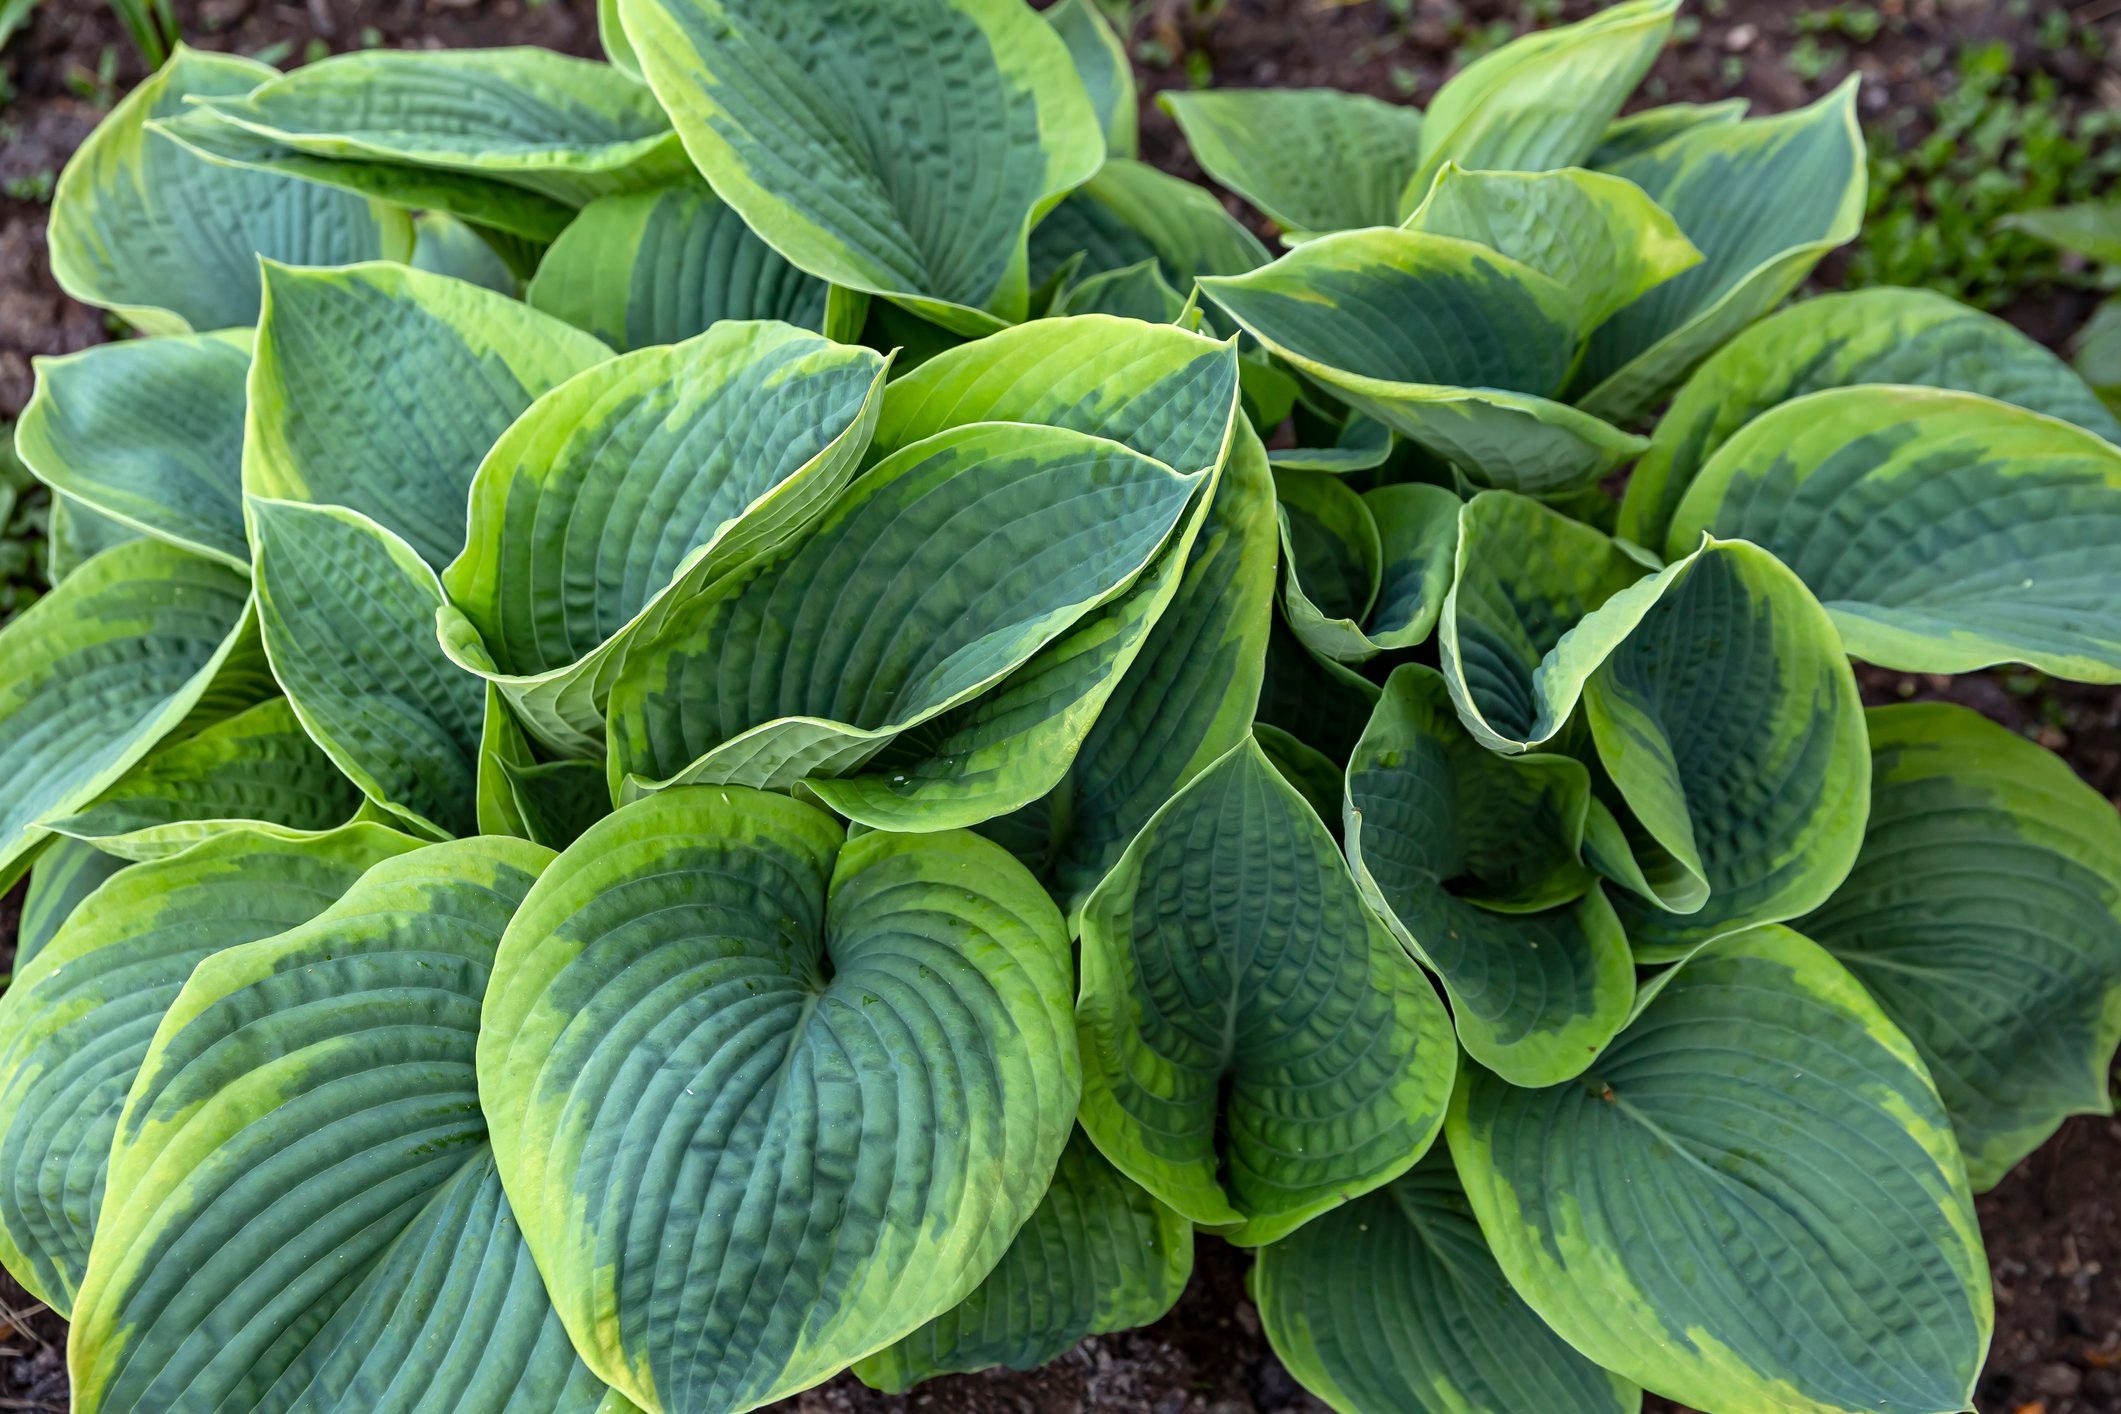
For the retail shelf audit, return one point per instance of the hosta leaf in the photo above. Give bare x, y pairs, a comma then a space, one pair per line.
1984, 914
484, 201
1099, 1254
444, 245
1188, 697
99, 670
76, 534
257, 770
1915, 337
566, 128
920, 192
1474, 860
79, 1018
1729, 723
1597, 236
348, 612
1130, 212
1447, 342
999, 538
1395, 1303
1519, 636
379, 388
66, 872
304, 1211
1943, 530
1313, 159
169, 241
1256, 1048
1764, 200
1365, 573
630, 487
149, 432
844, 1067
1752, 1201
1541, 101
1101, 61
658, 267
1641, 131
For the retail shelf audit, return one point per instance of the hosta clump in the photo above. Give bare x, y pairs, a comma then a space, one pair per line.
688, 737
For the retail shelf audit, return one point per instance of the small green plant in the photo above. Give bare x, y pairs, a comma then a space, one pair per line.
1859, 24
687, 738
32, 186
100, 87
151, 25
1998, 144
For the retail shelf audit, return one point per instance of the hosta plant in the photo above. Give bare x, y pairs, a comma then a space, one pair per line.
762, 709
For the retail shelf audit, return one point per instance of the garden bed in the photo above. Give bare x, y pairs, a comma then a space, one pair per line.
2053, 1226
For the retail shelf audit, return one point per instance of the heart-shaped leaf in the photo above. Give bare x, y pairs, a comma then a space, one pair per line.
1106, 69
1256, 1048
1984, 914
1753, 1200
1597, 236
1188, 697
1366, 573
496, 208
843, 1067
1521, 633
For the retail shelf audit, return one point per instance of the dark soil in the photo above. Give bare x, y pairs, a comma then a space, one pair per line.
2053, 1226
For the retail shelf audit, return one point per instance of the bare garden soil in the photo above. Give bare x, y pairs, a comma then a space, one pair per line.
2053, 1226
